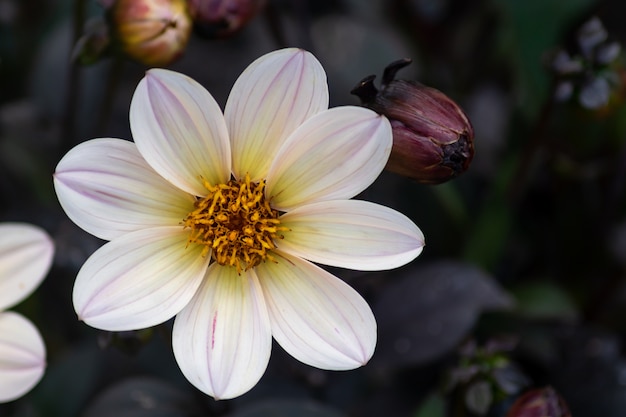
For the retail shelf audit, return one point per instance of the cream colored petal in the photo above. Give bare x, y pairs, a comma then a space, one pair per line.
139, 280
222, 339
270, 99
316, 317
333, 155
108, 189
26, 253
351, 234
22, 356
180, 130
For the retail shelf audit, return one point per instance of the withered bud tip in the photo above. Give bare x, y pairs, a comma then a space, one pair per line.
390, 71
365, 89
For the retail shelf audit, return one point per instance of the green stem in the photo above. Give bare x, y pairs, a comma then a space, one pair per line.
68, 133
113, 78
536, 140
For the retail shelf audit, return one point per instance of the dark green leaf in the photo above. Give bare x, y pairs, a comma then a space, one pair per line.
286, 408
143, 397
427, 311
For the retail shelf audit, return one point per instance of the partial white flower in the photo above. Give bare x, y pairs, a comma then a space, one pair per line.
215, 218
25, 258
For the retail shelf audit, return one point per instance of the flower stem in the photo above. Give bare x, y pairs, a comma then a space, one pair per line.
521, 175
68, 133
113, 78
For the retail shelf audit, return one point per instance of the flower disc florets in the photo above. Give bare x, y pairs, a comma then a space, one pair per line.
236, 222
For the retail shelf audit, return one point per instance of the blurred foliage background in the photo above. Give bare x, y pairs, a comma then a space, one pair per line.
521, 285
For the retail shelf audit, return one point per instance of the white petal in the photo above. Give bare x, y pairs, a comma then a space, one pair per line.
180, 130
270, 99
22, 356
333, 155
26, 253
351, 234
316, 317
222, 339
107, 188
139, 280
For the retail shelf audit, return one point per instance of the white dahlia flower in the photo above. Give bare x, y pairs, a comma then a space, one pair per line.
25, 257
216, 218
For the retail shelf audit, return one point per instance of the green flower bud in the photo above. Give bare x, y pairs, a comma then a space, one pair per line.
433, 140
94, 44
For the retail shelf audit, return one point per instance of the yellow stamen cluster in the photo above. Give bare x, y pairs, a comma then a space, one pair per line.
235, 223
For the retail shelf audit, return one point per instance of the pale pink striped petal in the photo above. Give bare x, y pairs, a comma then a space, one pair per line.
22, 356
139, 280
270, 99
180, 130
334, 155
108, 189
26, 253
351, 234
316, 317
222, 339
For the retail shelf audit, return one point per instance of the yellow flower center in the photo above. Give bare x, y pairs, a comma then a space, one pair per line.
236, 223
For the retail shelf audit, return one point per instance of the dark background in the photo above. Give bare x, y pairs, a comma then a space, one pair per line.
522, 280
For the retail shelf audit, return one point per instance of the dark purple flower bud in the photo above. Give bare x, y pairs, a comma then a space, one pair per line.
541, 402
433, 140
222, 18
